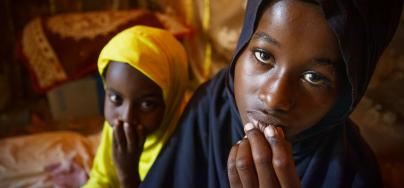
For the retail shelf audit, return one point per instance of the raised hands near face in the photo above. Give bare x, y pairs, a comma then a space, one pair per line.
133, 110
128, 141
289, 76
262, 159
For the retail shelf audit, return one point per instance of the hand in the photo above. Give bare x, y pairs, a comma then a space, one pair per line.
67, 173
262, 160
127, 146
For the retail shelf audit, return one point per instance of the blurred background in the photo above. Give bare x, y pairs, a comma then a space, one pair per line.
51, 96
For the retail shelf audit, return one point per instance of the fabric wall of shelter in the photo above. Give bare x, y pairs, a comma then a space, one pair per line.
216, 26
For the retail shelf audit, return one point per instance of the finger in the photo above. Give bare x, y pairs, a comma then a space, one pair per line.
282, 161
141, 136
119, 134
234, 179
115, 144
131, 138
115, 122
245, 165
262, 156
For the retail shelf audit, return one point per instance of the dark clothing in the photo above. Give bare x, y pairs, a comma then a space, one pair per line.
196, 156
330, 154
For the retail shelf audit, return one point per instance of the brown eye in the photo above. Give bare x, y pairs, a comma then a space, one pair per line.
263, 57
148, 105
316, 79
115, 98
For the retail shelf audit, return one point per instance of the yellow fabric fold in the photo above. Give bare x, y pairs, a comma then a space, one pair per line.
159, 56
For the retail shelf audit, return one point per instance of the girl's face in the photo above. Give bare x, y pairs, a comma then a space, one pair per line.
288, 73
132, 97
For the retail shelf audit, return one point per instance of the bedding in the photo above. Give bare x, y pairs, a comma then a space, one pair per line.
51, 159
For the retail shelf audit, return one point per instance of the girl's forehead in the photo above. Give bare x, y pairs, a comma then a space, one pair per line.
298, 26
129, 80
293, 12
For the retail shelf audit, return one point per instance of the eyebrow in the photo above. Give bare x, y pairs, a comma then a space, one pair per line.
325, 61
267, 38
112, 91
142, 95
336, 67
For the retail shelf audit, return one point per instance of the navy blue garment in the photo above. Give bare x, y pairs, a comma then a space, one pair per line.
330, 154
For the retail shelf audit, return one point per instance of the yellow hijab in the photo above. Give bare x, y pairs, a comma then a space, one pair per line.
159, 56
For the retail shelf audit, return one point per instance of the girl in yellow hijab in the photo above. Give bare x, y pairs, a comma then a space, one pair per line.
145, 77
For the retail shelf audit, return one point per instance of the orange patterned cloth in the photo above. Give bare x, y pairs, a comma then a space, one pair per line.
65, 47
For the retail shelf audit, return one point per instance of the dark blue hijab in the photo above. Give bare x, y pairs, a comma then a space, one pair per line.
330, 154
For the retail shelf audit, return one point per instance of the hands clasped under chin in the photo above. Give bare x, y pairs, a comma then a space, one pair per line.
262, 160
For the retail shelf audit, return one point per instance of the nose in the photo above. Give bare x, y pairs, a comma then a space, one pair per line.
128, 114
278, 93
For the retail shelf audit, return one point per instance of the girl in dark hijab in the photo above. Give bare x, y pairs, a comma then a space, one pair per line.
278, 115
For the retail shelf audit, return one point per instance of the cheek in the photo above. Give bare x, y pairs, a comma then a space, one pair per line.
247, 78
245, 84
110, 112
318, 104
309, 110
323, 99
152, 121
239, 85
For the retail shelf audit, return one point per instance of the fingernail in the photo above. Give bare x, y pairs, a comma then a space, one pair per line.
238, 142
248, 127
245, 136
269, 131
125, 125
115, 122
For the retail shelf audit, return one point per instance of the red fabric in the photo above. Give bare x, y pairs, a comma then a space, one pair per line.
77, 55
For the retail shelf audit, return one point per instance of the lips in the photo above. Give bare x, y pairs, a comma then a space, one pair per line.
262, 120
